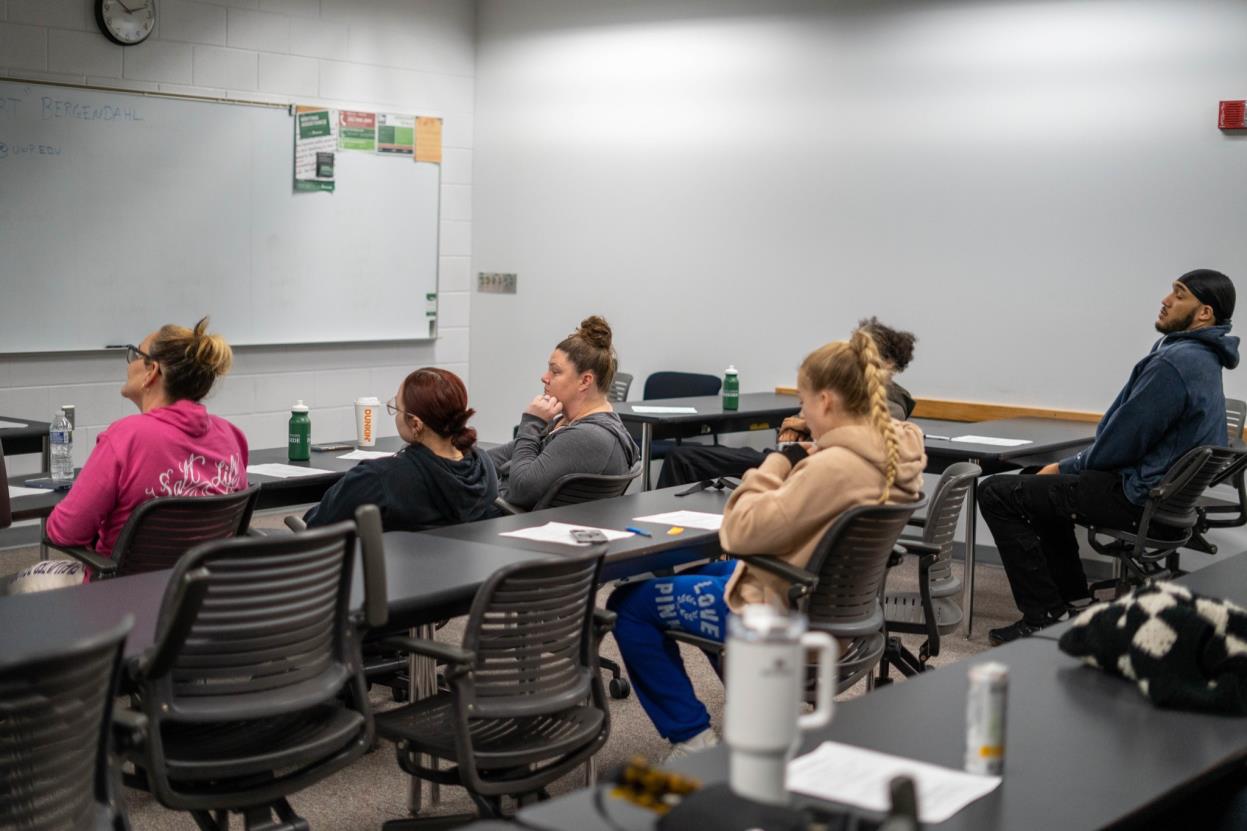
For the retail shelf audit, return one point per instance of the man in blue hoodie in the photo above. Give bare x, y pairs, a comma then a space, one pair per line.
1173, 402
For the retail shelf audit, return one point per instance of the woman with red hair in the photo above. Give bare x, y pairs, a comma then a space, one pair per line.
438, 479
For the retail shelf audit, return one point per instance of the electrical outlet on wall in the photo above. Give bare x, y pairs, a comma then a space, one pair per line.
495, 282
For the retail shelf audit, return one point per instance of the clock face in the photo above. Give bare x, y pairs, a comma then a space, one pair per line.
126, 21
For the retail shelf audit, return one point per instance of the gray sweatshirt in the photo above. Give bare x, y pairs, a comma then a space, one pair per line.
540, 455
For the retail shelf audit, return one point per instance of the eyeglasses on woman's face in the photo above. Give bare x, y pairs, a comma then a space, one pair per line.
133, 353
392, 407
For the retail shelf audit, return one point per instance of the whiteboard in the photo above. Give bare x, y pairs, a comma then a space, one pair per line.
120, 213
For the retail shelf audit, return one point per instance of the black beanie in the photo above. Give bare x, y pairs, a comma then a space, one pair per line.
1212, 288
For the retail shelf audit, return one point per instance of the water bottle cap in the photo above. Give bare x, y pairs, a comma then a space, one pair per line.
299, 407
731, 369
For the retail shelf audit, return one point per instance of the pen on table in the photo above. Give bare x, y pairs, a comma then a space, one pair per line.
639, 532
941, 438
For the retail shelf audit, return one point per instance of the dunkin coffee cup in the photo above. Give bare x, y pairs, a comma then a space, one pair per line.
367, 413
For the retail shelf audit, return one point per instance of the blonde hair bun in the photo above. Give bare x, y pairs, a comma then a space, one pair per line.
210, 351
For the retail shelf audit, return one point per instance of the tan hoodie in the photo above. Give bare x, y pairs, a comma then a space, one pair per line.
784, 510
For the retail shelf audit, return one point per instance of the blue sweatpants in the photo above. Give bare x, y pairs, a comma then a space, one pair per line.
691, 601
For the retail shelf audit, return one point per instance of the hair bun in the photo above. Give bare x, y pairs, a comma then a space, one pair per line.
596, 331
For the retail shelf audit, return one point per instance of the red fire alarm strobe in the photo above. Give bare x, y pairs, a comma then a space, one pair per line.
1232, 115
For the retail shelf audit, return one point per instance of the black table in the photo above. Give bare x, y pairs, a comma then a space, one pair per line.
1050, 440
31, 438
429, 575
757, 411
1084, 749
301, 490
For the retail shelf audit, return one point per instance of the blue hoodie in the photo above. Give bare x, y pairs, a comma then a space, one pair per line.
1172, 403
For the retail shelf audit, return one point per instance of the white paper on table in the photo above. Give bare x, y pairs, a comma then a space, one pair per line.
15, 491
365, 454
636, 408
280, 471
7, 424
685, 519
992, 440
859, 777
561, 532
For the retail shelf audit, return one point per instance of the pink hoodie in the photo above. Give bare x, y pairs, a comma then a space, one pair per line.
177, 450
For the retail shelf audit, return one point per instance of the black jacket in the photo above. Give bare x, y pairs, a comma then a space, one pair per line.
415, 490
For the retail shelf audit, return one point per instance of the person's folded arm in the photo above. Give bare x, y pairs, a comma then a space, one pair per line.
774, 508
534, 469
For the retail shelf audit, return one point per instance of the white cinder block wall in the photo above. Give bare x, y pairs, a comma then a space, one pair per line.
413, 56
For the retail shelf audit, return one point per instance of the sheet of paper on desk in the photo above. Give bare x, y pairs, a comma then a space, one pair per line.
280, 471
991, 440
15, 491
685, 519
662, 410
859, 777
561, 532
7, 424
365, 454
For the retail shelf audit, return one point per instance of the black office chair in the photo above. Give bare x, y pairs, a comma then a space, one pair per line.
6, 508
585, 487
1147, 551
661, 385
841, 587
575, 488
1215, 512
161, 530
56, 709
620, 386
525, 705
253, 688
935, 609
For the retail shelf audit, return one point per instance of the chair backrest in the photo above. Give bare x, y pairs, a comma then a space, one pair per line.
1235, 416
1184, 482
530, 628
943, 512
55, 717
273, 633
6, 509
620, 387
681, 385
851, 561
161, 530
575, 488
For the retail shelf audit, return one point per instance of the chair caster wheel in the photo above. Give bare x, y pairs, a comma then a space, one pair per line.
620, 688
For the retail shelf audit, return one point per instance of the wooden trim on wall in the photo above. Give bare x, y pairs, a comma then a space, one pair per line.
980, 411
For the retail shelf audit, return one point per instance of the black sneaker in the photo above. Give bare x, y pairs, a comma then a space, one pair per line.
1025, 628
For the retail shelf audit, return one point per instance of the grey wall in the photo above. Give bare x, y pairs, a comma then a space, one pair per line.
738, 182
369, 54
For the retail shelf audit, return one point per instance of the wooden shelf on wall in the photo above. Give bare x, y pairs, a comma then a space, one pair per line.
981, 411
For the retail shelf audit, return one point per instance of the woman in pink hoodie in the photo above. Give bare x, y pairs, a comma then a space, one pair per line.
172, 447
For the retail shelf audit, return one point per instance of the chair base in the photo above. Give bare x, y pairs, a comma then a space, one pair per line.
895, 654
430, 823
255, 819
619, 686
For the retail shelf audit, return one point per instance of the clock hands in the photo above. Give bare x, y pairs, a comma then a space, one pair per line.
129, 10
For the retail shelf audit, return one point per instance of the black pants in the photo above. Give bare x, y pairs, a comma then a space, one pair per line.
688, 463
1032, 519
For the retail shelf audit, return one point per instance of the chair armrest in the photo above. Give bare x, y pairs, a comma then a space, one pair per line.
507, 507
104, 566
129, 730
156, 660
446, 652
918, 547
917, 521
603, 622
295, 523
369, 529
256, 532
789, 572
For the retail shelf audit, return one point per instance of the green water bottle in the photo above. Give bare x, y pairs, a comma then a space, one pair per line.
300, 433
731, 389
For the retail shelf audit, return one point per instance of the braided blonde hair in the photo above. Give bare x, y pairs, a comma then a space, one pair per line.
854, 371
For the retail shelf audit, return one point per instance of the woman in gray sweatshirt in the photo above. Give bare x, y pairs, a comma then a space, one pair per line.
571, 427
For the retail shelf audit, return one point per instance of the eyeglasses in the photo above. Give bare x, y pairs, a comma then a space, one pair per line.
392, 407
133, 353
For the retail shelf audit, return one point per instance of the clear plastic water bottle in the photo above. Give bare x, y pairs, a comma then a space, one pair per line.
61, 443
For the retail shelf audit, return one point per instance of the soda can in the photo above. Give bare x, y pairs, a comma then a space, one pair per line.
985, 718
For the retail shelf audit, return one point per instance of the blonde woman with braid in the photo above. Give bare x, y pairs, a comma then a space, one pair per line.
860, 455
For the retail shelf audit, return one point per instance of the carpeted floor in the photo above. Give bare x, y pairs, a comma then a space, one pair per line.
373, 789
